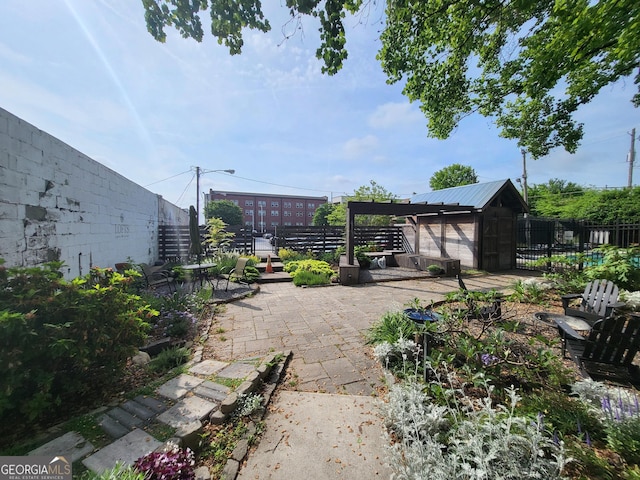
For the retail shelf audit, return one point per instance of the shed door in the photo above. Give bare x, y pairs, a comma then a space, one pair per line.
497, 242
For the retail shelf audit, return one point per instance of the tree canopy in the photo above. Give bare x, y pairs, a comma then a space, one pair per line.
320, 217
226, 210
373, 191
562, 199
529, 64
454, 175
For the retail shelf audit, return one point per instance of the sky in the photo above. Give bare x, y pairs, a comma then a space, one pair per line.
89, 73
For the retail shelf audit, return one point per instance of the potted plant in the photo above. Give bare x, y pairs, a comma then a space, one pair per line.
435, 270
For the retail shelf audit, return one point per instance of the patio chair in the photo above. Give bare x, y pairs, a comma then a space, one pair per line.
608, 351
158, 275
489, 312
599, 300
237, 271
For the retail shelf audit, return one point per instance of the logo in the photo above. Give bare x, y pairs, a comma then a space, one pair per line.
35, 468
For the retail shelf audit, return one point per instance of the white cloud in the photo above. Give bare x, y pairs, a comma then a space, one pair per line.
394, 114
359, 147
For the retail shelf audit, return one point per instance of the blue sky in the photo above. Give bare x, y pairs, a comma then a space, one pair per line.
88, 73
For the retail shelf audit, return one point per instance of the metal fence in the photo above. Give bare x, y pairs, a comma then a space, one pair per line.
539, 238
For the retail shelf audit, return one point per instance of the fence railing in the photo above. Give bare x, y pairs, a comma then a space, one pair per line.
539, 238
329, 238
174, 241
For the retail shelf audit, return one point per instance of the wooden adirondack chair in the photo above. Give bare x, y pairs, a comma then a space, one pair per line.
491, 311
598, 301
609, 349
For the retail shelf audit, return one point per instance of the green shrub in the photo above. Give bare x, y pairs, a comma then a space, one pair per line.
304, 277
391, 327
302, 269
287, 255
64, 339
620, 265
169, 358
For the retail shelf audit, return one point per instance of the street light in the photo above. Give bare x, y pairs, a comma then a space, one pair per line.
199, 172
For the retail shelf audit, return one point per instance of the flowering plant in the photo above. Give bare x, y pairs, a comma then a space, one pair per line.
172, 463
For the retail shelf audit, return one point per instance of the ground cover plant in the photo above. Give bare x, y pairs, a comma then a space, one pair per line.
499, 402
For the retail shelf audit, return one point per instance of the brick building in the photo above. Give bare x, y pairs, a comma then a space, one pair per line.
264, 212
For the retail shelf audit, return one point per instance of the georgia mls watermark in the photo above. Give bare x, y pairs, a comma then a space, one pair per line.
35, 468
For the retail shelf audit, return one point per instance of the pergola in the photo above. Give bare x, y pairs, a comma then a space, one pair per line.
397, 209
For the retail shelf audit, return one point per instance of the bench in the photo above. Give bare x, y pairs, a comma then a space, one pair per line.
450, 266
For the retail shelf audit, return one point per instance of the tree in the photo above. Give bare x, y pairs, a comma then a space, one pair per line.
554, 198
226, 210
529, 64
374, 192
454, 175
321, 214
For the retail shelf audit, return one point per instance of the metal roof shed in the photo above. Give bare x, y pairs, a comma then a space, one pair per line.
483, 237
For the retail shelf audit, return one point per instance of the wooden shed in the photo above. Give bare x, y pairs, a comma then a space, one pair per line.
482, 237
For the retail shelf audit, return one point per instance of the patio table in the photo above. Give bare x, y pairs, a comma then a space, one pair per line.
199, 273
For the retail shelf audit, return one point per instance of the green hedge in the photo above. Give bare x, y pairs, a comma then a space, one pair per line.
64, 340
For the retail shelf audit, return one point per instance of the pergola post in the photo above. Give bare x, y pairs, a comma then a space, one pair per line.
350, 234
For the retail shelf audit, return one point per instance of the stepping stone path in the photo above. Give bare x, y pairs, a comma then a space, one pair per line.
185, 403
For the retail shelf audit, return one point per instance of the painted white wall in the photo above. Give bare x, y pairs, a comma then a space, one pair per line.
57, 203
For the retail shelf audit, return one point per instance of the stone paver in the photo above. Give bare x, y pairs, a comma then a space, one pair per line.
325, 326
179, 386
71, 446
237, 370
207, 367
125, 450
187, 410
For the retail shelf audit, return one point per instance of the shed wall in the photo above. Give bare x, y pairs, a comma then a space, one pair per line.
449, 237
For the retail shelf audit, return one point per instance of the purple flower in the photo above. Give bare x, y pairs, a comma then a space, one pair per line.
488, 359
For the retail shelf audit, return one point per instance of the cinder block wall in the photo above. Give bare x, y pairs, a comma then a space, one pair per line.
58, 204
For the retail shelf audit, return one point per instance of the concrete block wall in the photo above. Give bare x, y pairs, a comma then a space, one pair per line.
58, 204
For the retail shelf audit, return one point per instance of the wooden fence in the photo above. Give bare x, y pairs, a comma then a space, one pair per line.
329, 238
174, 241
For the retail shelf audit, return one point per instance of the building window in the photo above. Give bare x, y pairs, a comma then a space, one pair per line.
286, 213
248, 203
287, 224
286, 204
248, 212
311, 205
299, 224
310, 214
275, 204
235, 202
299, 214
262, 203
275, 213
274, 224
299, 205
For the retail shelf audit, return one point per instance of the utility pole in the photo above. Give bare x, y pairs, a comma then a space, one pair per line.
201, 172
198, 194
524, 175
632, 154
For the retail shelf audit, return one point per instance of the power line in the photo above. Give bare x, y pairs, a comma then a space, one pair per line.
173, 176
185, 188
